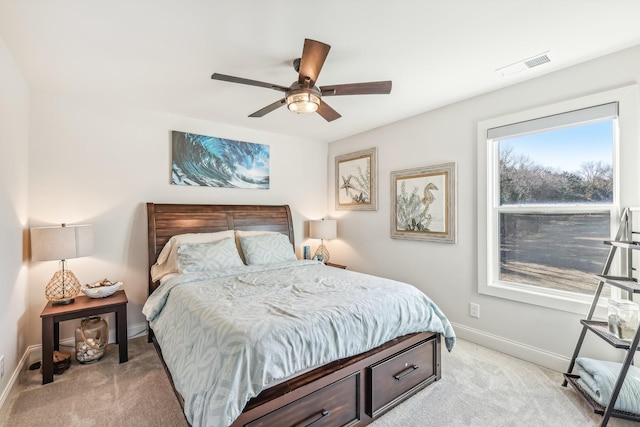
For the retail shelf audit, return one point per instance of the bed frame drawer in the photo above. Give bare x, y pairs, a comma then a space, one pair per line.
334, 405
394, 379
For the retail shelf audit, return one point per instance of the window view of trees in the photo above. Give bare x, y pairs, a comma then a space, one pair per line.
540, 245
522, 181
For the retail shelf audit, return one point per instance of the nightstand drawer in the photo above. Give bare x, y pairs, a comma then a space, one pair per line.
334, 405
390, 380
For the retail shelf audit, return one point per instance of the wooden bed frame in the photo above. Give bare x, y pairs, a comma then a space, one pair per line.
348, 392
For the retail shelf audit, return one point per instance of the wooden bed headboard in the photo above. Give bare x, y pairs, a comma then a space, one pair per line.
167, 220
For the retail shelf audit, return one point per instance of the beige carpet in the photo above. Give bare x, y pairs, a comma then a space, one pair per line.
482, 387
479, 387
105, 393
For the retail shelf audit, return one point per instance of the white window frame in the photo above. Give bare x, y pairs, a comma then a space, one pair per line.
625, 164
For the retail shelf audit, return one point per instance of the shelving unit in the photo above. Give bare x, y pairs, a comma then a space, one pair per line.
624, 241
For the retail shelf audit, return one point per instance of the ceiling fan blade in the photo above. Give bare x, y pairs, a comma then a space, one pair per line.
232, 79
369, 88
313, 55
328, 113
269, 108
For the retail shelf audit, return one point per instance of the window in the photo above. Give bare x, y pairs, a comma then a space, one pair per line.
547, 199
554, 201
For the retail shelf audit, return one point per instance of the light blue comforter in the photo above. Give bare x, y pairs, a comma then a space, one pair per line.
226, 336
598, 378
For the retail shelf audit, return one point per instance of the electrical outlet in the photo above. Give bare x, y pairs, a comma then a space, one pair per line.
474, 310
1, 366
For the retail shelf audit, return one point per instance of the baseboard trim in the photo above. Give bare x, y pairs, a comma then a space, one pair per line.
14, 376
544, 358
34, 353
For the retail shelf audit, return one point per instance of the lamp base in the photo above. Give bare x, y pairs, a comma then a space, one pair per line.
62, 301
63, 287
322, 250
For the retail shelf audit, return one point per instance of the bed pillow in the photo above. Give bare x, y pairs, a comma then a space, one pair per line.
247, 233
267, 248
210, 256
168, 260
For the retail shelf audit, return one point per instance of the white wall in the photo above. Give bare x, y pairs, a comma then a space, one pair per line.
14, 120
96, 163
448, 273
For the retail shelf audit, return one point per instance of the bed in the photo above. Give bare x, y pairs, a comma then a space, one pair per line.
271, 380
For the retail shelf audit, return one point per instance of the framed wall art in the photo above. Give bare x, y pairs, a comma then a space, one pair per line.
356, 181
423, 203
209, 161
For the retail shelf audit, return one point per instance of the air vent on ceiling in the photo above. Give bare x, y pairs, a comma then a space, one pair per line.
525, 64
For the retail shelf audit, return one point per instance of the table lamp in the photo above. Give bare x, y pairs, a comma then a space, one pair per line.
61, 243
323, 229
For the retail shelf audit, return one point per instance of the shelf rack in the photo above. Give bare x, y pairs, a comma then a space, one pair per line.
624, 240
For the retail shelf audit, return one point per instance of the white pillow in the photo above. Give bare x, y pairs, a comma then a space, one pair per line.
168, 260
210, 256
267, 248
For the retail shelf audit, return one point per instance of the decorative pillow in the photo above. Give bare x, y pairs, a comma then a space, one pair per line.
247, 233
168, 260
211, 256
267, 248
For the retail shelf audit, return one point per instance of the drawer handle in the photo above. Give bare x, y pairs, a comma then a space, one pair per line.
406, 372
322, 414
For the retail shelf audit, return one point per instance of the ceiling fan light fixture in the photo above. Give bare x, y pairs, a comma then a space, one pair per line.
303, 102
303, 96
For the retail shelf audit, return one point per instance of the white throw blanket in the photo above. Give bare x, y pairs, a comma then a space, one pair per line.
598, 378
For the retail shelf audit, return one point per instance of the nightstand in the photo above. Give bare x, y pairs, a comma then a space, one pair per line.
83, 306
330, 264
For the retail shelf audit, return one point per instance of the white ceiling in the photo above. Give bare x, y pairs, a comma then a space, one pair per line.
160, 54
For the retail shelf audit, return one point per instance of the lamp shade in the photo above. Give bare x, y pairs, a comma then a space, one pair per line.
323, 229
58, 243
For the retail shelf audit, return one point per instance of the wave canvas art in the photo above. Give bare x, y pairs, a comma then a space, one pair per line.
209, 161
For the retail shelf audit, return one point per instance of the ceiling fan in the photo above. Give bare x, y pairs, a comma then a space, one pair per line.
303, 96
